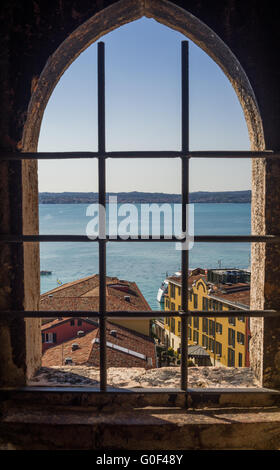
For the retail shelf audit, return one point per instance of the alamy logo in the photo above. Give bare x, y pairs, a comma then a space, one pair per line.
141, 221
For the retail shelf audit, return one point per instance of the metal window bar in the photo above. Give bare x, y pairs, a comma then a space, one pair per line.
185, 201
270, 154
102, 217
185, 154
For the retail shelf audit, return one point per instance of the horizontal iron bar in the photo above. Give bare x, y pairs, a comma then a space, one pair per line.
5, 155
151, 238
236, 238
140, 314
48, 155
233, 154
147, 154
81, 238
78, 155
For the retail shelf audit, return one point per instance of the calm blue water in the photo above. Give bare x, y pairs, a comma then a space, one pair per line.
142, 262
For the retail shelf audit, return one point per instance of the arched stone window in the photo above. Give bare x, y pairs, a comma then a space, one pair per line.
263, 210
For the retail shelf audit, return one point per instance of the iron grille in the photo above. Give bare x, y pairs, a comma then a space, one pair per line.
185, 154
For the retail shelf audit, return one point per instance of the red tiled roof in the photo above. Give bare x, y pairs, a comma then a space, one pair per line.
241, 297
191, 279
83, 294
87, 352
238, 293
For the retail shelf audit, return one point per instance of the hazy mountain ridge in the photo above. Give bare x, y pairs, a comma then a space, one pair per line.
143, 197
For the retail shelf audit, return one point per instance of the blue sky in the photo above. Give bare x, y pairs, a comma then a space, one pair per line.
143, 112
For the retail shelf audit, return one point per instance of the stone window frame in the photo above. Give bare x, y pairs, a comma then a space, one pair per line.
113, 17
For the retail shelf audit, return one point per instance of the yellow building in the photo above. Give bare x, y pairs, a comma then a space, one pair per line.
225, 339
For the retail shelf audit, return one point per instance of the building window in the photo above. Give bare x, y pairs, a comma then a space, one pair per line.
214, 304
241, 319
218, 348
219, 328
190, 333
196, 322
232, 320
196, 336
240, 338
49, 337
231, 358
205, 341
240, 362
211, 344
179, 327
194, 300
211, 327
172, 291
205, 325
231, 337
204, 303
72, 322
173, 325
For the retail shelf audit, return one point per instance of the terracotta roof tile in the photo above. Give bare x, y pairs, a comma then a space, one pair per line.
241, 297
87, 351
83, 295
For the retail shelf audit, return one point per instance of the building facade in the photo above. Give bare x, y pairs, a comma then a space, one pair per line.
225, 339
63, 329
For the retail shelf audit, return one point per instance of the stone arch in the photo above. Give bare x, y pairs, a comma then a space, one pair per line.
124, 12
103, 22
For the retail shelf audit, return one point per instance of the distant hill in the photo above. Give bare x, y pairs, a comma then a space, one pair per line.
141, 197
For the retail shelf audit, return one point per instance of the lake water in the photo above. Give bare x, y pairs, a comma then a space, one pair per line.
143, 262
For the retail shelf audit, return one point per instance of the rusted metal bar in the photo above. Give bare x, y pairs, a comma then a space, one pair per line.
5, 155
102, 217
9, 314
185, 202
152, 238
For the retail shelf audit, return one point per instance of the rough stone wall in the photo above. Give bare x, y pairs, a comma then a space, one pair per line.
31, 31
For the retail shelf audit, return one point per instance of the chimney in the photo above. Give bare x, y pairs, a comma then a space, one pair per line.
68, 360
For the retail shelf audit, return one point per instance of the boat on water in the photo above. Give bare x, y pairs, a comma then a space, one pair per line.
45, 273
164, 287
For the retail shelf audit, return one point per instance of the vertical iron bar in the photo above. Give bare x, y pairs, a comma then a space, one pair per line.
185, 201
102, 216
215, 319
